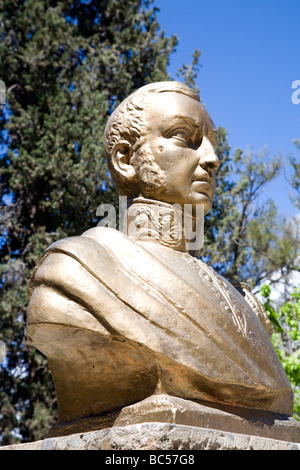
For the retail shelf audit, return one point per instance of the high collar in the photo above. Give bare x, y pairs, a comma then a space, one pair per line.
161, 223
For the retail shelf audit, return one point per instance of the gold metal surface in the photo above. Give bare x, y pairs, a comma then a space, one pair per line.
123, 316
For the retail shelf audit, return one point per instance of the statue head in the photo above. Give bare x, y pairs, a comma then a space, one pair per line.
160, 142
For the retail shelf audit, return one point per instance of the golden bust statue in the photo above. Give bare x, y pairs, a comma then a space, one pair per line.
124, 316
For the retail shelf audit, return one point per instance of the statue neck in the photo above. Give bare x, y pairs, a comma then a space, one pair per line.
164, 224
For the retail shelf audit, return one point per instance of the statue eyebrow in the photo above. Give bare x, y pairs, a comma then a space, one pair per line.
204, 127
184, 120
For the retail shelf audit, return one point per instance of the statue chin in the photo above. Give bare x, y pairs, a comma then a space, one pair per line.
195, 203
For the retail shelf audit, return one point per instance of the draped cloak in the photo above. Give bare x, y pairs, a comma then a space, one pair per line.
154, 316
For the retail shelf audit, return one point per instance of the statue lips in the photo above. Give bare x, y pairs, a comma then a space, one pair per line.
204, 185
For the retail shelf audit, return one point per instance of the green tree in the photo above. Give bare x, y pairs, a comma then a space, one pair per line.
66, 65
189, 73
286, 337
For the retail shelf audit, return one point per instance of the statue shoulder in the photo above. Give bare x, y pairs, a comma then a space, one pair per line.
94, 236
87, 250
98, 234
104, 235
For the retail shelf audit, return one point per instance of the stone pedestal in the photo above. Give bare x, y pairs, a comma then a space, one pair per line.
173, 410
156, 437
163, 422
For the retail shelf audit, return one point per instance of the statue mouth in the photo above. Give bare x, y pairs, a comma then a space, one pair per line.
204, 186
203, 182
203, 177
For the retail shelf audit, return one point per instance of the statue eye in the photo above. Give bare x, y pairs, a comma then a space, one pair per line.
181, 134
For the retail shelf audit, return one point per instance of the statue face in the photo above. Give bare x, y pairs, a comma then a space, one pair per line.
180, 141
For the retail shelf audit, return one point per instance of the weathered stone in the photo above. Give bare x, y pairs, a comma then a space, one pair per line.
173, 410
157, 436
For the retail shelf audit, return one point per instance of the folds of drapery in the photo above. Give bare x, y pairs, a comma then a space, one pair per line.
104, 282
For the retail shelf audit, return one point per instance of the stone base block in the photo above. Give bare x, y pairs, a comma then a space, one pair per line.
173, 410
157, 436
163, 422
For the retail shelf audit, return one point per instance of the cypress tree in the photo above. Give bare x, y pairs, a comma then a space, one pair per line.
65, 64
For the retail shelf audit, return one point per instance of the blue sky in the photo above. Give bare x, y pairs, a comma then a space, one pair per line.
250, 58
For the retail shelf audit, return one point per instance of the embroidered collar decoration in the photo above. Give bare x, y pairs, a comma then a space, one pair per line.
162, 223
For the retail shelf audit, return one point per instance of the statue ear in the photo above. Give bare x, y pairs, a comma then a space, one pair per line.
121, 157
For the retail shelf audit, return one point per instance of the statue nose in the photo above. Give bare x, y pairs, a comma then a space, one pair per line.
208, 156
